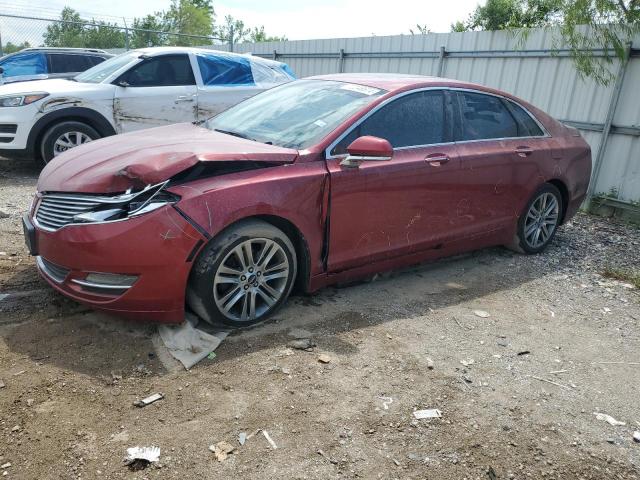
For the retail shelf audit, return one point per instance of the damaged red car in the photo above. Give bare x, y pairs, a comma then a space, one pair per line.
318, 181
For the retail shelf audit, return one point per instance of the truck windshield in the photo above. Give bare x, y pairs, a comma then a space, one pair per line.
297, 114
105, 69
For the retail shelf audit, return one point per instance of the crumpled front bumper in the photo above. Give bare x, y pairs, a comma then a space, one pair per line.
158, 248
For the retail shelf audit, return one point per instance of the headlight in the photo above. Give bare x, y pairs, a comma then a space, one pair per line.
129, 205
20, 100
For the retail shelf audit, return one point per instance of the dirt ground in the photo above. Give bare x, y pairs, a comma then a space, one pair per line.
518, 389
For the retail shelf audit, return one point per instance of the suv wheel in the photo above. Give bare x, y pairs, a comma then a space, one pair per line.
63, 136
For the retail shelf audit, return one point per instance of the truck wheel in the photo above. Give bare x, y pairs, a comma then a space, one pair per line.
243, 275
65, 135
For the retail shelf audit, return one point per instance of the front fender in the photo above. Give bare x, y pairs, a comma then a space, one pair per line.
294, 193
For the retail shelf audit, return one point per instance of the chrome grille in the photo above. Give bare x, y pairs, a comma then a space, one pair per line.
57, 210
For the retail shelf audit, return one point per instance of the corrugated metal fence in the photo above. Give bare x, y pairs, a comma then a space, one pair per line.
532, 70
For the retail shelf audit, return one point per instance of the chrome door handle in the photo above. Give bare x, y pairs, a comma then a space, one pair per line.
184, 98
524, 151
436, 159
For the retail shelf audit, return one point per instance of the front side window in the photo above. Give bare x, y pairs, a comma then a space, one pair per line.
66, 63
163, 71
297, 114
33, 63
412, 120
484, 117
224, 70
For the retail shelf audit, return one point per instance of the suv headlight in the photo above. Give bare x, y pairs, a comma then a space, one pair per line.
20, 100
129, 205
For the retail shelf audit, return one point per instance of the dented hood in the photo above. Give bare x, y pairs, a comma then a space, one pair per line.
133, 160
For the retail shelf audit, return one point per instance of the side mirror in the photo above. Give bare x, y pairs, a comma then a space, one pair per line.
367, 149
1, 70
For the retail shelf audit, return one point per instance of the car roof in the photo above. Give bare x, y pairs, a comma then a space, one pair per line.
393, 81
65, 50
153, 51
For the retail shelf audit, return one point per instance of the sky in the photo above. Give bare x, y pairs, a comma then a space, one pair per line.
297, 20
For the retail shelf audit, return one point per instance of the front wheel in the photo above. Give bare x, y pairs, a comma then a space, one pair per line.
540, 220
244, 275
63, 136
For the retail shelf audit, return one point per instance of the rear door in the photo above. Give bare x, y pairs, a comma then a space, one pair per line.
158, 91
498, 159
226, 81
388, 209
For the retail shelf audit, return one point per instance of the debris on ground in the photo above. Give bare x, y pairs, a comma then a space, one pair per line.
5, 465
636, 436
269, 439
191, 341
327, 457
149, 400
2, 385
139, 458
429, 362
242, 438
524, 352
222, 450
467, 363
302, 344
481, 314
324, 358
428, 413
609, 419
386, 401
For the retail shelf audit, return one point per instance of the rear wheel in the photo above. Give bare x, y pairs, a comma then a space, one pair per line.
63, 136
540, 220
244, 275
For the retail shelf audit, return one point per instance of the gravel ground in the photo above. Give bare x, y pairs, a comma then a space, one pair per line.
518, 389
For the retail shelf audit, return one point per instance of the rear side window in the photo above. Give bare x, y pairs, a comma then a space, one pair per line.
412, 120
225, 71
24, 64
164, 71
66, 63
527, 126
484, 117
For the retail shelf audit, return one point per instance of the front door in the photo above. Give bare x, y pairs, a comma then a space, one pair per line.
381, 210
158, 91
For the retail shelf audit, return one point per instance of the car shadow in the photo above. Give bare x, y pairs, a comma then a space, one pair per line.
99, 345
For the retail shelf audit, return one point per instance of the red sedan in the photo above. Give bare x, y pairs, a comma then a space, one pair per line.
318, 181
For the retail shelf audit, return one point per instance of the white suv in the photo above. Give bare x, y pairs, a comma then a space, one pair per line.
135, 90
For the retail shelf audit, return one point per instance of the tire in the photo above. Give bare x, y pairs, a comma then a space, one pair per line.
75, 132
534, 231
222, 291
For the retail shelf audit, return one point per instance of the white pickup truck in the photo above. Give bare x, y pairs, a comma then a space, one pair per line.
135, 90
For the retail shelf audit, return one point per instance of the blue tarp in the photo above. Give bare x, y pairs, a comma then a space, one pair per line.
229, 70
34, 63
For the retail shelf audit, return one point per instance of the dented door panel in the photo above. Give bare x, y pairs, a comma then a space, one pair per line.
136, 108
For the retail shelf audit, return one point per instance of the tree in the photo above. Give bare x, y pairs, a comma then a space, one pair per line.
581, 26
187, 18
66, 33
12, 48
140, 39
233, 30
258, 35
420, 30
72, 32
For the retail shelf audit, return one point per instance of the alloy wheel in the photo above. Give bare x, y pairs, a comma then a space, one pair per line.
69, 140
541, 220
251, 279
